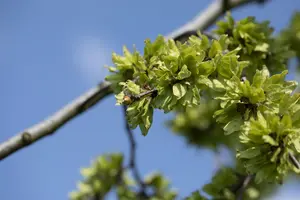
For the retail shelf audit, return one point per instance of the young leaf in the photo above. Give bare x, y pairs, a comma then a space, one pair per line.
179, 90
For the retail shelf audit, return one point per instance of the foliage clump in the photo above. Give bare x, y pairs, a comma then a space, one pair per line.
230, 90
107, 173
173, 76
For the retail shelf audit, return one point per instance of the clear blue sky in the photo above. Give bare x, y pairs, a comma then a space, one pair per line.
53, 51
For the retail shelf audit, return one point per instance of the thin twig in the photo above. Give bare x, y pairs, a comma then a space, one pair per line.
57, 120
225, 5
132, 158
244, 186
207, 18
93, 96
141, 95
294, 160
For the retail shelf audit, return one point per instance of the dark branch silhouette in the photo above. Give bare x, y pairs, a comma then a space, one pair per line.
132, 156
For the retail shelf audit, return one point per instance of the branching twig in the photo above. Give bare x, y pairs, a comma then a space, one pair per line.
87, 100
132, 158
206, 18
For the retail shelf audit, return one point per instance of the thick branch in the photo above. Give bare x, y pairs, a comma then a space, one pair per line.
207, 18
57, 120
86, 101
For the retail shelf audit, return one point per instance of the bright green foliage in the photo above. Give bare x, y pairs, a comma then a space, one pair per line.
160, 187
243, 99
256, 43
108, 173
229, 91
99, 179
170, 76
123, 70
274, 57
269, 139
244, 76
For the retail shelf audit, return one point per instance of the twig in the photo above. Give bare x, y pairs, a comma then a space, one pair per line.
225, 5
132, 158
207, 18
243, 187
93, 96
152, 92
57, 120
294, 161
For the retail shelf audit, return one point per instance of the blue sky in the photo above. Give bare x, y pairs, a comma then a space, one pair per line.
53, 51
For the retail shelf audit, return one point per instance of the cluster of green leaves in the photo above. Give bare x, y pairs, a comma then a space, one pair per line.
156, 188
160, 187
107, 173
171, 75
256, 42
241, 70
100, 177
228, 184
261, 49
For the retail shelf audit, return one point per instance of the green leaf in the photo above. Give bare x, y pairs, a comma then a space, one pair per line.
286, 121
249, 153
275, 155
232, 126
184, 73
179, 90
227, 66
217, 85
260, 77
264, 47
132, 87
205, 81
270, 140
296, 143
120, 98
147, 120
214, 49
206, 68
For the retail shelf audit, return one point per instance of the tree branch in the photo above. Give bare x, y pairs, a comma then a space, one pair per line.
93, 96
207, 18
57, 120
